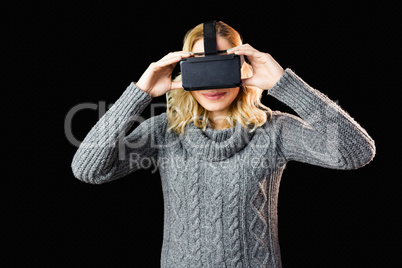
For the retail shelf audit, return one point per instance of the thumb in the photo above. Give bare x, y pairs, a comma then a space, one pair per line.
247, 81
176, 85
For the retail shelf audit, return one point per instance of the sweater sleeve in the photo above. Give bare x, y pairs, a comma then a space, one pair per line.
324, 134
104, 154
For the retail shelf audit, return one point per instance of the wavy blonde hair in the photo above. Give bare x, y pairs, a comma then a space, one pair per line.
183, 108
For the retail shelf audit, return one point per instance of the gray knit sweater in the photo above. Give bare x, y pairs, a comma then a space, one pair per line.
220, 187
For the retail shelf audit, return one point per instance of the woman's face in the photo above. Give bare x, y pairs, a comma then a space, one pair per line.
216, 101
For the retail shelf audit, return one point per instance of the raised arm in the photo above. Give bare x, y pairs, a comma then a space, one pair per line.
97, 159
324, 135
105, 154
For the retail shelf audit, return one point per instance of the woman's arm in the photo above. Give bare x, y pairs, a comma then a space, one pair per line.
97, 159
325, 135
106, 154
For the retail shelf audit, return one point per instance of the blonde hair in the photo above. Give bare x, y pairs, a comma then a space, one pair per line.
183, 108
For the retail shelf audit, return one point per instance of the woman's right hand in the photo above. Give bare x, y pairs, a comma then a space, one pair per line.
157, 79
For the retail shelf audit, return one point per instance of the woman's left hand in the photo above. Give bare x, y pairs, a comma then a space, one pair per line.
266, 71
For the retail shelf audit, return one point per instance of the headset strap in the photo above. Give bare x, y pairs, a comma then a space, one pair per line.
209, 38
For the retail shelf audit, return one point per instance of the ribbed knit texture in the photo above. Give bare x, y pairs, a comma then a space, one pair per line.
220, 187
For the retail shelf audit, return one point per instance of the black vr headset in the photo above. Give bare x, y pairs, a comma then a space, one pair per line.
212, 71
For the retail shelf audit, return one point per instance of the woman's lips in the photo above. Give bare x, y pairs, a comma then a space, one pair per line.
215, 96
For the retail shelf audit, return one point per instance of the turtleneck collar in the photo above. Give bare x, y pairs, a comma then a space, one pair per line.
215, 144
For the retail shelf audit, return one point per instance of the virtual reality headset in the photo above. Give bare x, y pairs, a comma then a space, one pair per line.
212, 71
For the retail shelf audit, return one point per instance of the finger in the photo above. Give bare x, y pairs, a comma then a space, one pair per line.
184, 54
247, 52
247, 81
168, 61
241, 47
172, 59
245, 45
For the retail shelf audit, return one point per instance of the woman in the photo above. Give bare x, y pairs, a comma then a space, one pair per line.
221, 153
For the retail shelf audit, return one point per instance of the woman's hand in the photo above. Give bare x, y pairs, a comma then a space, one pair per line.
266, 71
157, 79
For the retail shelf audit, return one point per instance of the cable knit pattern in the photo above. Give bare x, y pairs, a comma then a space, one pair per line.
233, 217
221, 187
178, 224
195, 216
259, 224
214, 214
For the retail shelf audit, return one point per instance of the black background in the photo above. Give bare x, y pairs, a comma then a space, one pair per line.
89, 53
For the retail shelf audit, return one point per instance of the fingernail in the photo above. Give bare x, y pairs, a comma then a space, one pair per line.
230, 49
